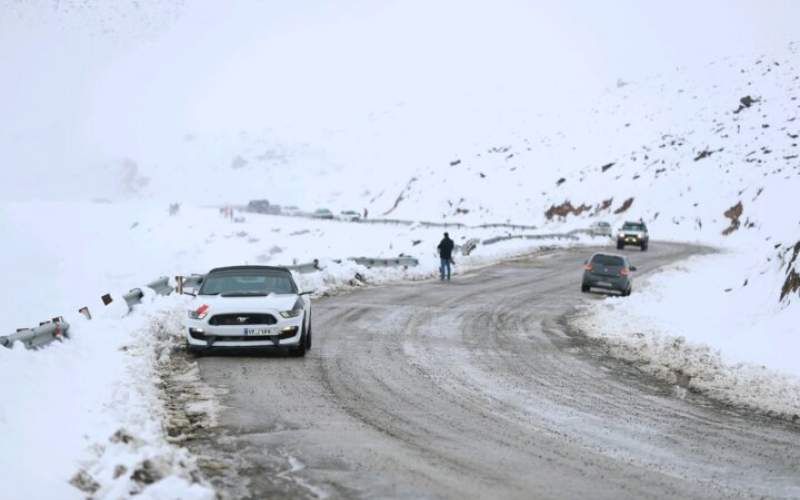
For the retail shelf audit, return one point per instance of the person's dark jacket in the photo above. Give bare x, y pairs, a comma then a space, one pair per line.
446, 248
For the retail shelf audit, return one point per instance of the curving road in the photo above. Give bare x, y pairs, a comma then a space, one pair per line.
477, 389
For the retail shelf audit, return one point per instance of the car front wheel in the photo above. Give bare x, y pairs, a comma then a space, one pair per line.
302, 346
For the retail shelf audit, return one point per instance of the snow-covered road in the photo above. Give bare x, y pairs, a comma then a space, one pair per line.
479, 389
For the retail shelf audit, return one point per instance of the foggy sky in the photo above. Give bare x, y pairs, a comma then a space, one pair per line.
81, 86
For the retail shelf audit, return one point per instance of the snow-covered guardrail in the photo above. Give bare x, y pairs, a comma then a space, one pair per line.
161, 286
447, 225
403, 261
556, 236
33, 338
308, 267
569, 235
133, 297
468, 246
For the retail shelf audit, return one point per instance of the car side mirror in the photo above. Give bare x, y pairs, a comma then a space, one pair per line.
307, 292
633, 268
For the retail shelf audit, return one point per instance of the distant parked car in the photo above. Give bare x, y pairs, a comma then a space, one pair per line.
601, 228
290, 210
322, 213
350, 216
263, 207
608, 272
633, 233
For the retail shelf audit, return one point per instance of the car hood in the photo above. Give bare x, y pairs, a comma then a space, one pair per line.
217, 303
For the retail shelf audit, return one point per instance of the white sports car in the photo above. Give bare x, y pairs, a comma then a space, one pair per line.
249, 306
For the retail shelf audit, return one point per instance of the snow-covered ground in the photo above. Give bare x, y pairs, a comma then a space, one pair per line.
706, 152
84, 416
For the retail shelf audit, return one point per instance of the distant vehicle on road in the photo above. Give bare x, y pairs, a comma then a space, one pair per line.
290, 210
263, 207
322, 213
608, 272
350, 216
249, 307
601, 228
633, 233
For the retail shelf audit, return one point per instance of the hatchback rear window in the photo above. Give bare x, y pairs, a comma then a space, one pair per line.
608, 260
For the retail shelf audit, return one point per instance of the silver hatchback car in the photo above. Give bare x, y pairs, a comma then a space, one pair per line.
608, 272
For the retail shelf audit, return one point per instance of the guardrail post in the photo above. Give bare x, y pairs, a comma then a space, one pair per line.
85, 311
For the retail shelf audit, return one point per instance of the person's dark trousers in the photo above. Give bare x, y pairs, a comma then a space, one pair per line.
445, 265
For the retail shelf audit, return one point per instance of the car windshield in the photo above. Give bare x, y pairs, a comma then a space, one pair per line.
248, 283
633, 226
608, 260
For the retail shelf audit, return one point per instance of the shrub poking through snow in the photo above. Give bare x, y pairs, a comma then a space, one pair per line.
792, 283
733, 214
604, 205
744, 103
625, 206
565, 209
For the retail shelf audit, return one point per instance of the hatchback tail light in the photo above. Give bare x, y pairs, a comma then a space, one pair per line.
588, 267
623, 272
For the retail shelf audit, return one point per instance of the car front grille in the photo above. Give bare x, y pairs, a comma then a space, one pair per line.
242, 319
200, 335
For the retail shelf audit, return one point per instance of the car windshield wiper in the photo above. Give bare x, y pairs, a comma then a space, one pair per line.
244, 294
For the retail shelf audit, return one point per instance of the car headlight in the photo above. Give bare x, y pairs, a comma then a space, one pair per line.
295, 311
199, 313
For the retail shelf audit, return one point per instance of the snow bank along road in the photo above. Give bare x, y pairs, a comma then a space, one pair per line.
476, 389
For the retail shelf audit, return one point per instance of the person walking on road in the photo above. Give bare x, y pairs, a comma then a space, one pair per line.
445, 256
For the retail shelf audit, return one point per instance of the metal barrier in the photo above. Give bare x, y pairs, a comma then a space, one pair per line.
34, 338
446, 225
403, 261
161, 286
309, 267
193, 281
468, 246
552, 236
133, 297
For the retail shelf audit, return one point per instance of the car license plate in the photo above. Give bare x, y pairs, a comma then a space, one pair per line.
603, 283
257, 331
